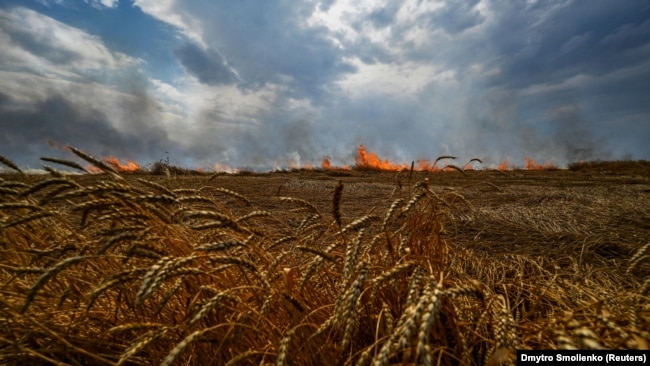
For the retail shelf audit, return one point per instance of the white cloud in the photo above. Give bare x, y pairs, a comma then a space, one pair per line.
103, 3
110, 3
46, 46
201, 106
337, 18
173, 12
394, 80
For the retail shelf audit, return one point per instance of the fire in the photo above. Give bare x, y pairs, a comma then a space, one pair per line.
113, 162
532, 165
223, 168
326, 164
529, 165
365, 159
370, 160
129, 166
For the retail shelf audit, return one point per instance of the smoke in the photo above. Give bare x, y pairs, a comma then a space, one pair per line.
494, 80
28, 129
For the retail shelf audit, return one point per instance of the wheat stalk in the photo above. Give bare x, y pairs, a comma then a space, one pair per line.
42, 280
430, 313
390, 212
96, 162
211, 304
637, 257
352, 256
157, 273
68, 163
227, 192
223, 245
284, 347
140, 343
169, 360
336, 203
356, 224
300, 202
10, 164
347, 316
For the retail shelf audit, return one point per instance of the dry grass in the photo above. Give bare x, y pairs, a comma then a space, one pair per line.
111, 269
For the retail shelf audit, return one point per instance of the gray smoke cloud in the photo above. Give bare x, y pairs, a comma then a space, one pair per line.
27, 132
255, 83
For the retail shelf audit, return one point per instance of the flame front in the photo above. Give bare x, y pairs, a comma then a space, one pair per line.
365, 159
326, 164
130, 166
370, 160
532, 165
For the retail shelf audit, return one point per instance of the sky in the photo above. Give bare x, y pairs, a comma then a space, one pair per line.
251, 83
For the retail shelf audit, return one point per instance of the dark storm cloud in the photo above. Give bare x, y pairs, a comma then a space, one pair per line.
495, 79
27, 130
549, 45
528, 44
265, 42
208, 66
457, 16
560, 56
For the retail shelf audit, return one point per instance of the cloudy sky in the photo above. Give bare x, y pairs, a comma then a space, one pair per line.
246, 83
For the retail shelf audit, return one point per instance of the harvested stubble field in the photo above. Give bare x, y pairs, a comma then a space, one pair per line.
321, 267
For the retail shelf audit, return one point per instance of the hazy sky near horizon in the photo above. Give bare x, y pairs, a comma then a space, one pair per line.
248, 83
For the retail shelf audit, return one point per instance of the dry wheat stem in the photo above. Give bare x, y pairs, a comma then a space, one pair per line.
637, 257
351, 257
45, 277
310, 207
140, 343
431, 309
68, 163
10, 164
336, 203
359, 223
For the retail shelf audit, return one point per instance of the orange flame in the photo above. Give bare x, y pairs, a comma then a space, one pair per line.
504, 165
365, 159
93, 169
370, 160
326, 164
223, 168
114, 162
532, 165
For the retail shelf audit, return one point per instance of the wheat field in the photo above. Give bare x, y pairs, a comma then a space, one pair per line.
315, 267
